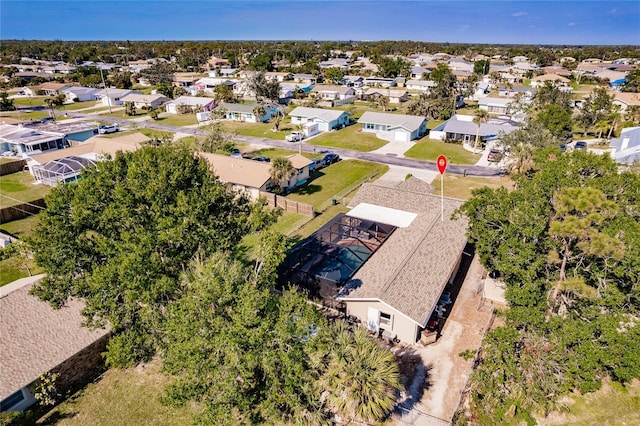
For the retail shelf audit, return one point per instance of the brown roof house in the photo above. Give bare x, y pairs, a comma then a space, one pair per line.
36, 339
390, 257
252, 177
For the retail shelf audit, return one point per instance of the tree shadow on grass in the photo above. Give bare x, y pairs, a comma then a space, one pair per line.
307, 189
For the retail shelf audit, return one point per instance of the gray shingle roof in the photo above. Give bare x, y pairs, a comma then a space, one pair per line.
37, 337
410, 270
409, 122
327, 115
494, 126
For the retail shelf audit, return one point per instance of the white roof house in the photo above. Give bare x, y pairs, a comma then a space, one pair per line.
626, 148
327, 119
395, 127
190, 102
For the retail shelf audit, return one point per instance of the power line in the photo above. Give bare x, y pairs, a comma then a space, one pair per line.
23, 202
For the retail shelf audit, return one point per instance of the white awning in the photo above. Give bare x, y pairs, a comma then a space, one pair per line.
395, 217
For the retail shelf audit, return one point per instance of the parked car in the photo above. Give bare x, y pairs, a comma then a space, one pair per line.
295, 136
103, 130
580, 145
262, 159
495, 155
235, 153
46, 119
316, 163
330, 159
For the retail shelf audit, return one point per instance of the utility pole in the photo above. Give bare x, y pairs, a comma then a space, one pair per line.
106, 91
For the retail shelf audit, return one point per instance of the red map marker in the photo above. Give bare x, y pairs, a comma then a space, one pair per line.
442, 164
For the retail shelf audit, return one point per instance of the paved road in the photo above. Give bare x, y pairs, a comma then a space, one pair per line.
345, 153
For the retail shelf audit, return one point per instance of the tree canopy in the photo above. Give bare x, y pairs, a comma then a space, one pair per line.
566, 243
122, 235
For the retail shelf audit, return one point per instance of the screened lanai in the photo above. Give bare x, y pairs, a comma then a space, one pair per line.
63, 170
325, 261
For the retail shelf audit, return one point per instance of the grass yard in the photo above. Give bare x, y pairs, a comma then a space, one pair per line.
430, 149
31, 101
432, 124
13, 268
317, 222
335, 181
120, 114
613, 404
260, 130
276, 152
26, 116
22, 227
287, 224
177, 119
122, 397
20, 186
460, 187
78, 105
350, 137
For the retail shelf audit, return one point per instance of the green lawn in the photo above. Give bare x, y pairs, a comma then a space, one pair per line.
26, 116
13, 268
350, 137
430, 149
317, 222
335, 181
261, 130
31, 101
287, 224
614, 404
434, 123
276, 152
22, 227
178, 119
120, 114
78, 105
20, 186
121, 397
460, 187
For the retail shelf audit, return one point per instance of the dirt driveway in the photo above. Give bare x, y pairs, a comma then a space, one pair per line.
446, 372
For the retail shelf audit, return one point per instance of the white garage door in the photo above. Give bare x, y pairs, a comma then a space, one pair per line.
401, 136
323, 126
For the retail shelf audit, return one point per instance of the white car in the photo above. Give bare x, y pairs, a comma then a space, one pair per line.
295, 137
103, 130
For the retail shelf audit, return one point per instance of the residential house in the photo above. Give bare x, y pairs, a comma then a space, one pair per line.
185, 79
304, 78
331, 96
111, 96
37, 138
342, 63
420, 85
495, 105
185, 104
228, 72
245, 112
208, 84
394, 96
626, 99
556, 79
460, 65
146, 102
462, 128
397, 289
513, 90
418, 73
80, 94
379, 82
46, 89
278, 76
37, 338
326, 119
626, 148
65, 165
353, 81
394, 127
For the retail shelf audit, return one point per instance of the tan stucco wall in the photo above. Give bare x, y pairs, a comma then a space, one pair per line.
406, 329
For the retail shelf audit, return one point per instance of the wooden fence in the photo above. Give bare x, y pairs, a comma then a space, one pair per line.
287, 205
12, 167
19, 211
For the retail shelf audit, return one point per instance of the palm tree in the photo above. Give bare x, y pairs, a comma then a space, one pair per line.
481, 117
361, 378
281, 170
521, 158
277, 120
383, 101
259, 111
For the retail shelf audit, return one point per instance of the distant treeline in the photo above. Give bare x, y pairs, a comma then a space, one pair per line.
195, 53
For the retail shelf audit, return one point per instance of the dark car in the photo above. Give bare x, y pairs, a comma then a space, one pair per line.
563, 147
47, 119
262, 159
330, 159
316, 163
495, 155
235, 153
580, 145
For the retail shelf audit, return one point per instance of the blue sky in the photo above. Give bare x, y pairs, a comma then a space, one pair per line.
498, 21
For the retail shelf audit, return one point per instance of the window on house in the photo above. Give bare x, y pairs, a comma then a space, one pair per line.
386, 319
